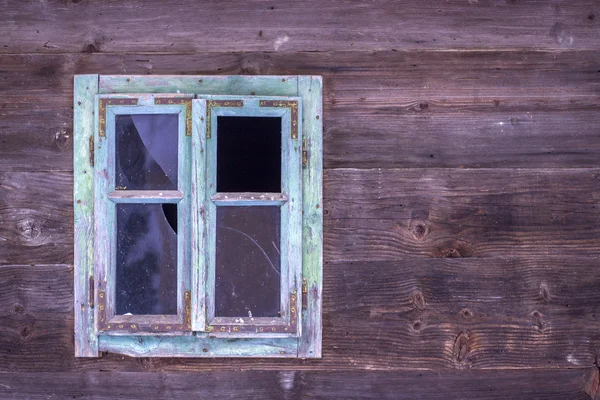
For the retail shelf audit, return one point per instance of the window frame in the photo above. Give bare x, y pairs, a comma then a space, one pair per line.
201, 344
288, 199
107, 196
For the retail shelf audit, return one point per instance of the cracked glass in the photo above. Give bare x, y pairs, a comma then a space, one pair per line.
247, 274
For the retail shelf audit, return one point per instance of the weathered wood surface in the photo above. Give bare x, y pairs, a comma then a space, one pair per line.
383, 214
381, 109
36, 218
290, 385
435, 314
370, 214
414, 92
185, 27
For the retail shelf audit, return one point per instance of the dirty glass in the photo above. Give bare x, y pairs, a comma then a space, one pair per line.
146, 151
248, 154
247, 273
146, 271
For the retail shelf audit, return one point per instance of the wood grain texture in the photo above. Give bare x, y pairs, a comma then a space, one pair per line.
36, 218
419, 314
497, 385
412, 109
86, 88
291, 26
310, 343
383, 214
374, 214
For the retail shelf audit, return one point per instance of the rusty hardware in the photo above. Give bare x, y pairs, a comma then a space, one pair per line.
304, 154
91, 292
91, 144
188, 311
291, 327
179, 101
219, 103
291, 104
105, 325
304, 294
111, 102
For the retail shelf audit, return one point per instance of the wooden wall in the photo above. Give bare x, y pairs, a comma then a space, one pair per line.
462, 192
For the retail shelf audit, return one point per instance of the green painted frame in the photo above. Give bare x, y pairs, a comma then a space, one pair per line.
107, 196
88, 342
289, 200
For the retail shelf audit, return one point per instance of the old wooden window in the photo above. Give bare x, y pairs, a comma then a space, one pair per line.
198, 225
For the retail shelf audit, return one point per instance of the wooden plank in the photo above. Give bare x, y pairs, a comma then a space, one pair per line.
383, 214
86, 88
292, 26
201, 346
36, 317
436, 314
198, 217
371, 214
201, 84
35, 230
310, 88
577, 384
145, 196
385, 109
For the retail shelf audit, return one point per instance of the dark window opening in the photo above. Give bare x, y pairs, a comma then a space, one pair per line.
249, 154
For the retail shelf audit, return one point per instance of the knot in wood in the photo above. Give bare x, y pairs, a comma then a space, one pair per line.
462, 347
417, 325
544, 293
18, 309
61, 139
29, 228
538, 323
91, 48
417, 300
465, 312
457, 251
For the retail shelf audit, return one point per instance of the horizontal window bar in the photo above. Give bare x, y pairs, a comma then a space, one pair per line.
146, 196
263, 321
249, 199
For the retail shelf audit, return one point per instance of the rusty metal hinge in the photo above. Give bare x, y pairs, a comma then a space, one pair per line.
91, 292
304, 153
304, 294
91, 144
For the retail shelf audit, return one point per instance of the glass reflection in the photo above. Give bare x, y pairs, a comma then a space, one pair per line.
146, 151
247, 273
146, 272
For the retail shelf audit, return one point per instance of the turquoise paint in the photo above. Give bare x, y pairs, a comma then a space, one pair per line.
280, 85
105, 214
196, 204
291, 212
198, 218
86, 340
310, 89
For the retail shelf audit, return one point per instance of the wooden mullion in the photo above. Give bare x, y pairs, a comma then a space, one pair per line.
146, 196
249, 199
86, 339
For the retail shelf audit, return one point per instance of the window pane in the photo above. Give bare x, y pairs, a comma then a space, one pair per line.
146, 259
146, 151
248, 154
247, 276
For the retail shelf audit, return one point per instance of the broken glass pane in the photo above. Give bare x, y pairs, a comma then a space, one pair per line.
146, 275
146, 147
